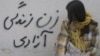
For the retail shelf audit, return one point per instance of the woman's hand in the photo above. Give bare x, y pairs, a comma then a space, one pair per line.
87, 54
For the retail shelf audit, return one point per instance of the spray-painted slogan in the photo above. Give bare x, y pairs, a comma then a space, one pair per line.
25, 41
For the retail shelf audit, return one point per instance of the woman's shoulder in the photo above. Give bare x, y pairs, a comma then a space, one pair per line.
94, 23
64, 25
93, 26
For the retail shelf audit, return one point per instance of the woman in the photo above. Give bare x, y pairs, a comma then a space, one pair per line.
74, 38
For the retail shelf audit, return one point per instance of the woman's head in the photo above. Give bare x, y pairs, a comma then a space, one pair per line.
76, 11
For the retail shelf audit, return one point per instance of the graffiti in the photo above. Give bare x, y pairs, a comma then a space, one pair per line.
25, 41
37, 23
54, 23
13, 21
41, 26
27, 23
7, 28
24, 21
46, 31
22, 4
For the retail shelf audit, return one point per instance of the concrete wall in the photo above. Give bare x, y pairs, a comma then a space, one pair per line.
30, 27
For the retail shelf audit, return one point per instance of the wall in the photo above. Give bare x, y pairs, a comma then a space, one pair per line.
30, 27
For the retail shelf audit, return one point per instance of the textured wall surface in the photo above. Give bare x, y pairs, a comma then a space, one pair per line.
30, 27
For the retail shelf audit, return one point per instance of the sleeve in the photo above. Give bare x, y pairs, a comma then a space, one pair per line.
94, 35
94, 38
62, 39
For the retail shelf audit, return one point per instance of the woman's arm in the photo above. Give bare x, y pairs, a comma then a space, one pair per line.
62, 39
94, 33
94, 30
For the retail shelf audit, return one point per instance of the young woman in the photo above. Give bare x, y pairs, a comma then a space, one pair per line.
74, 38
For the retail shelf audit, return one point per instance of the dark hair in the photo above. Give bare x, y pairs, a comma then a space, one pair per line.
76, 9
